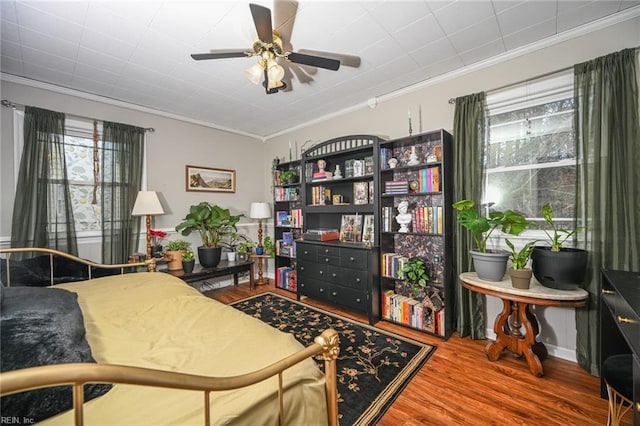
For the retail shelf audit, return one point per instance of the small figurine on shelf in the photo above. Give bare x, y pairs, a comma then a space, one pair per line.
413, 157
403, 217
337, 174
393, 162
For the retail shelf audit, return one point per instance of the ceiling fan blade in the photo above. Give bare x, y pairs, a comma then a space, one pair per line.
345, 60
220, 54
262, 20
314, 61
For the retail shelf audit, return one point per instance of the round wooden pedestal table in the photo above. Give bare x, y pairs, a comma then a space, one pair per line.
516, 315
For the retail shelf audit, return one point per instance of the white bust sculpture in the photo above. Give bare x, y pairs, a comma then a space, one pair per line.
404, 217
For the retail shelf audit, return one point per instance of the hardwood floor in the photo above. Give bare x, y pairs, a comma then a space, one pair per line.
459, 385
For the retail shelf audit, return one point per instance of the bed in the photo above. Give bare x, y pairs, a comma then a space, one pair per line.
159, 352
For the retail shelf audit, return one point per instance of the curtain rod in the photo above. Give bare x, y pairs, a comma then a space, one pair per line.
452, 101
8, 104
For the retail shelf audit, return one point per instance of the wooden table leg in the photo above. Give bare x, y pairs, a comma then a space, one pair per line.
510, 337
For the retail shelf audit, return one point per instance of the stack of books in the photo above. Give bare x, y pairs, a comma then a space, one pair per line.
395, 187
323, 234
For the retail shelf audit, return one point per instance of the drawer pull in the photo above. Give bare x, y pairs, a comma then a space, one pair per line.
326, 260
351, 259
326, 250
306, 252
358, 300
302, 268
603, 291
333, 275
625, 320
638, 407
334, 294
321, 290
358, 279
321, 272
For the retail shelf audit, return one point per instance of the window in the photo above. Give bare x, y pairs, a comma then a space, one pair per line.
531, 154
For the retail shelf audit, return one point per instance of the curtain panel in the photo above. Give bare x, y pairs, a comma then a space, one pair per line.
122, 164
42, 210
607, 126
469, 130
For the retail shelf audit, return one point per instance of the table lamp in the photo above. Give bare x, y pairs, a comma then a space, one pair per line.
260, 211
147, 204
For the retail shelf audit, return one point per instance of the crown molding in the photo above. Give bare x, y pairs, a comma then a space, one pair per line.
115, 102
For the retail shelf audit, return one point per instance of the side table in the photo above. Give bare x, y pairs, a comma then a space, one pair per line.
516, 308
261, 280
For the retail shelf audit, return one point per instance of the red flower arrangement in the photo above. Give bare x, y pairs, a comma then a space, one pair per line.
158, 236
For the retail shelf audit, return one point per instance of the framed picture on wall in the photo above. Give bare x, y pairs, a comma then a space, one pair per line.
207, 179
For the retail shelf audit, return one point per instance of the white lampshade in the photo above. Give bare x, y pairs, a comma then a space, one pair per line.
274, 70
260, 211
147, 203
254, 73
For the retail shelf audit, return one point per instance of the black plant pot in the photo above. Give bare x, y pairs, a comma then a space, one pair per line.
187, 265
209, 256
561, 270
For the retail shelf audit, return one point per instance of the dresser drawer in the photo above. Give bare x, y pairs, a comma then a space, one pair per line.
627, 320
306, 251
313, 288
328, 251
348, 297
351, 258
328, 260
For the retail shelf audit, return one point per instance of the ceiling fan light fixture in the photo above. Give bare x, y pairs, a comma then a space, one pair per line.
254, 73
276, 84
275, 70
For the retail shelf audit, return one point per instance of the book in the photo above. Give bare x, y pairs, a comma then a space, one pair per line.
351, 228
360, 193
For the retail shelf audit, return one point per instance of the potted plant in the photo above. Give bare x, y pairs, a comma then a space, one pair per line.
173, 253
556, 266
157, 237
244, 248
213, 223
269, 247
289, 176
490, 265
414, 273
231, 242
188, 261
520, 275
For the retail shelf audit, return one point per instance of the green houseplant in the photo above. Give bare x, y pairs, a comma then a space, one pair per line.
520, 275
231, 242
213, 223
173, 253
269, 247
414, 273
244, 248
490, 265
556, 266
288, 176
188, 261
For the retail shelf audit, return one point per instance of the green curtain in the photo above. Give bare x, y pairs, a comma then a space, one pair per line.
469, 130
121, 167
42, 209
606, 121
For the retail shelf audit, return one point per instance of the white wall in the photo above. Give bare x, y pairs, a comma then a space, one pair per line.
389, 119
172, 146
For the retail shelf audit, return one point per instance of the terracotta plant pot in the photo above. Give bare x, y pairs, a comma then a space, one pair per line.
521, 278
174, 260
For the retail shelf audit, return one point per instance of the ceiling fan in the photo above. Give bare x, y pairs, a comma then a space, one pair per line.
268, 47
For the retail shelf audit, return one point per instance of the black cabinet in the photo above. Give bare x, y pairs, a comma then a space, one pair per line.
620, 324
341, 275
287, 226
340, 201
416, 171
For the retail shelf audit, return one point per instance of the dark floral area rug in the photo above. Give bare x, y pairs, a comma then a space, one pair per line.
374, 366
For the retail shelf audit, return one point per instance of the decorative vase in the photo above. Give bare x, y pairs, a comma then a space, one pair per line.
209, 256
243, 257
259, 250
156, 251
490, 266
187, 265
231, 256
521, 278
174, 260
561, 270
